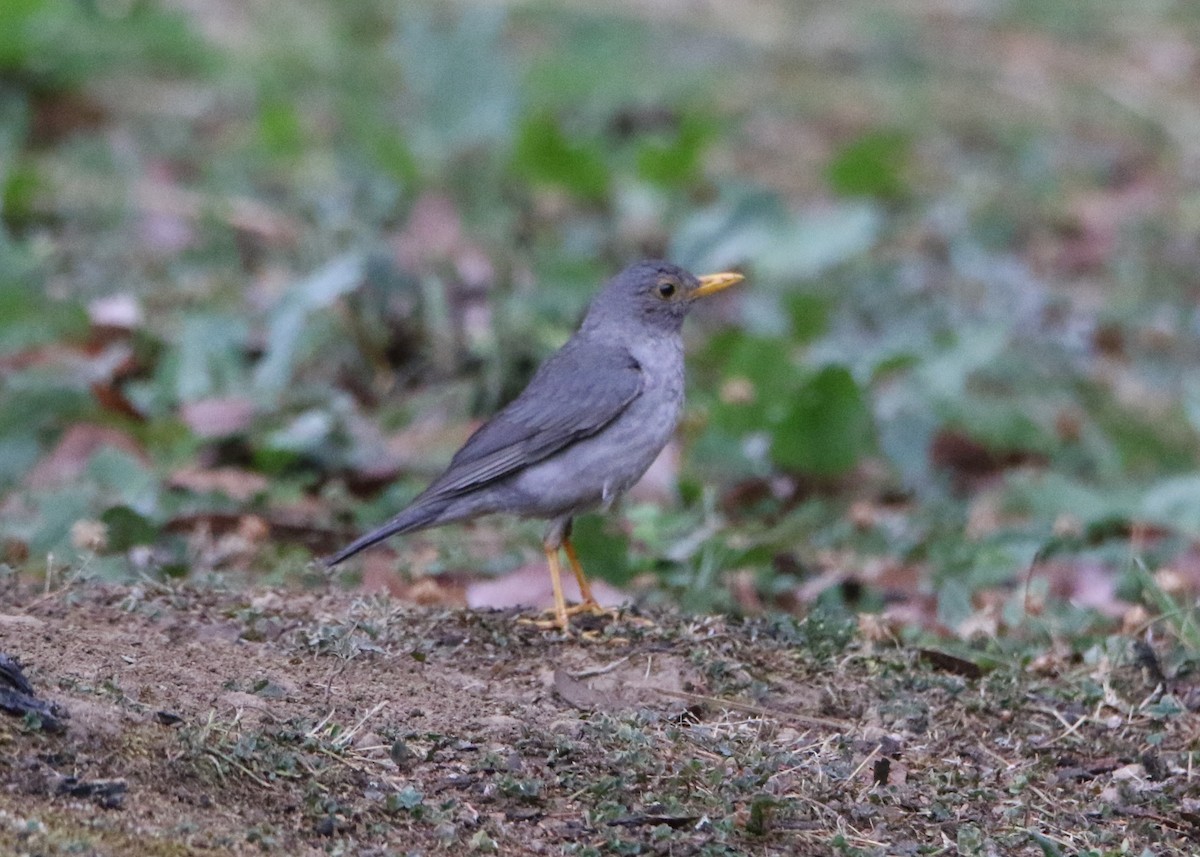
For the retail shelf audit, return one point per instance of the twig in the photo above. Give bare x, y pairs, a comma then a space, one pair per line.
752, 709
595, 671
229, 760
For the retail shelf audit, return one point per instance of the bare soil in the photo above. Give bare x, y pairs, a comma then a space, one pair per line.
209, 722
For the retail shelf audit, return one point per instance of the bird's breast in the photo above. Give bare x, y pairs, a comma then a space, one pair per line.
595, 470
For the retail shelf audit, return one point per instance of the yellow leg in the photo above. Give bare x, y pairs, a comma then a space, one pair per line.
560, 603
589, 605
585, 588
562, 612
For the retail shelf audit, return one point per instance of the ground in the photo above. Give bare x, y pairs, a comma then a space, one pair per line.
201, 721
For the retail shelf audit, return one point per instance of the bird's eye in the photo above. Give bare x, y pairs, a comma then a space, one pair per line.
666, 289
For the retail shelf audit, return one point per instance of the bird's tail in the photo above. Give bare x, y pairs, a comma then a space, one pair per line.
416, 517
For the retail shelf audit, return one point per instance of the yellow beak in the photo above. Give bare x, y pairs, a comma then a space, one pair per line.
712, 283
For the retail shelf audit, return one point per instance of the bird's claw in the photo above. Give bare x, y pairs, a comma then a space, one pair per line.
562, 622
593, 608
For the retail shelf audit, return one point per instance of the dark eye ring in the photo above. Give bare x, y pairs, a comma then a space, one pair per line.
666, 289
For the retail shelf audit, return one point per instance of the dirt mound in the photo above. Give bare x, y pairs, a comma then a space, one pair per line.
211, 722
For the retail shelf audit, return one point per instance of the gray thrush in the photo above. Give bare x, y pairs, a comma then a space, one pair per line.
585, 429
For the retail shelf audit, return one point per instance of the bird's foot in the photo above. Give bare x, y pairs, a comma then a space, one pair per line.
561, 622
593, 608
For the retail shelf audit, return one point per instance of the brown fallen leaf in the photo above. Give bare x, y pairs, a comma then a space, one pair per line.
66, 462
878, 628
971, 464
434, 234
233, 482
112, 398
644, 681
743, 586
575, 692
218, 417
380, 574
1085, 582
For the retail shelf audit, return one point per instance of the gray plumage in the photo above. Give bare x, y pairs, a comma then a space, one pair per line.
588, 425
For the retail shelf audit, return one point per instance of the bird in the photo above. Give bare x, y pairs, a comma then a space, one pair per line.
590, 422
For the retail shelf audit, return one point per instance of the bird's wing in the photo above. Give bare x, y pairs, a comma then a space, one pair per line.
575, 394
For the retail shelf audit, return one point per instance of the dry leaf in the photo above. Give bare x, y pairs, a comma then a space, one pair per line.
575, 692
233, 482
66, 462
218, 417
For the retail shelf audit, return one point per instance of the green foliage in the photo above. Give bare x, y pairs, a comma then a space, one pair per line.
362, 219
545, 155
407, 798
458, 82
126, 528
753, 225
288, 323
819, 424
18, 194
675, 159
28, 318
827, 426
604, 549
280, 129
49, 45
760, 380
872, 165
16, 179
209, 360
809, 315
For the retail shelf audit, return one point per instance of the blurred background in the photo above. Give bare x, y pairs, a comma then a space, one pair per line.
265, 264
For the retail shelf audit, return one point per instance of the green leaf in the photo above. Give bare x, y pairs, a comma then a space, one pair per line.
127, 529
827, 427
1000, 426
18, 453
1147, 443
387, 149
757, 382
406, 798
35, 405
1045, 496
18, 193
755, 228
16, 182
953, 602
458, 81
809, 314
289, 319
17, 20
603, 549
49, 45
123, 477
280, 129
210, 359
55, 513
29, 318
1174, 503
874, 165
309, 436
545, 155
675, 161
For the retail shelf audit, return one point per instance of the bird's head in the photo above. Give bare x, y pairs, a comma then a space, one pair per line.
653, 293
